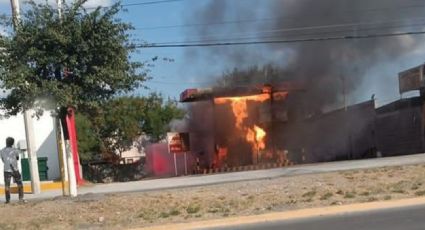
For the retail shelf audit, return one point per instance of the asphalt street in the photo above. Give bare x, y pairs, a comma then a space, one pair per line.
406, 218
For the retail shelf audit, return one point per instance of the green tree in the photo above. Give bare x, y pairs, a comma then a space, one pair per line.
121, 123
158, 116
89, 143
122, 120
80, 60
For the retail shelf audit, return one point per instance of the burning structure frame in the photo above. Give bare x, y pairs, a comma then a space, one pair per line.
243, 120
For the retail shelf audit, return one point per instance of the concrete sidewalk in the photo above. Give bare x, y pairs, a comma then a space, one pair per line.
202, 180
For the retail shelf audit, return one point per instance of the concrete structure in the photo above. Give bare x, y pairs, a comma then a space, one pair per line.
400, 127
343, 134
135, 153
45, 140
299, 131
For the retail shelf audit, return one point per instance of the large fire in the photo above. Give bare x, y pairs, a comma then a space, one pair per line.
257, 136
252, 133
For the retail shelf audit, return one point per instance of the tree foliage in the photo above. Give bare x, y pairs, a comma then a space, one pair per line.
122, 121
79, 60
88, 140
158, 115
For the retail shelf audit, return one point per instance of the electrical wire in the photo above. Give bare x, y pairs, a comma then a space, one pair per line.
340, 25
151, 3
176, 83
344, 37
281, 31
229, 22
138, 4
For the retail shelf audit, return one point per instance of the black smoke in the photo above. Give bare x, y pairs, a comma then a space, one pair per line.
330, 69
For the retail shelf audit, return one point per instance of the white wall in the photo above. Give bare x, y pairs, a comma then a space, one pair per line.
136, 152
132, 155
46, 145
45, 140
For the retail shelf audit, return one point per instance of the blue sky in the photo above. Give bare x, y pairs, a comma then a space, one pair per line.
169, 77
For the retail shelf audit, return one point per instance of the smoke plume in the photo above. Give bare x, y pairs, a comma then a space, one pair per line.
329, 68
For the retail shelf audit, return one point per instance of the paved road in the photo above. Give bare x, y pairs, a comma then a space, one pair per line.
406, 218
202, 180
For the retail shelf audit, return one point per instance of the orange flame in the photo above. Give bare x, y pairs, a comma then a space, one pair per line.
239, 105
260, 137
253, 135
222, 154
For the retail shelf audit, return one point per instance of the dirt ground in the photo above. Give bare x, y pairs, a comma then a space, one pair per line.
129, 210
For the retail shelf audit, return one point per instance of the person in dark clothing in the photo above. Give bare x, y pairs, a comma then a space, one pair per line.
10, 156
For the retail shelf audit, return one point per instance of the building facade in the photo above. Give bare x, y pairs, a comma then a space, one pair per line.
45, 140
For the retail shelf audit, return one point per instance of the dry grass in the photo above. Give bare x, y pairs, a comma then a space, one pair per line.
245, 198
326, 196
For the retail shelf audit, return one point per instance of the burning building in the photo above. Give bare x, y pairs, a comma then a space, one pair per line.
232, 127
243, 119
239, 126
259, 125
297, 128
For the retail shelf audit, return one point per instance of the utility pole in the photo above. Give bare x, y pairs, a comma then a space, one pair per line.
29, 129
59, 3
68, 162
70, 167
32, 154
62, 156
15, 12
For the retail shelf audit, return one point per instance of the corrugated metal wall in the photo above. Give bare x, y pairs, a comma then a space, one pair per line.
338, 135
400, 128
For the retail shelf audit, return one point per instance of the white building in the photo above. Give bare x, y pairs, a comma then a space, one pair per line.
136, 152
45, 140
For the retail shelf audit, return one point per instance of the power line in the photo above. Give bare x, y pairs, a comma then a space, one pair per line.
139, 4
151, 2
281, 41
351, 30
176, 83
126, 5
354, 29
229, 22
305, 27
207, 24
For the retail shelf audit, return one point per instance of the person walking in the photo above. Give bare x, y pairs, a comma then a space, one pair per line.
10, 156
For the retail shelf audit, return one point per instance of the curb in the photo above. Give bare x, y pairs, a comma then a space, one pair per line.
45, 186
262, 166
292, 215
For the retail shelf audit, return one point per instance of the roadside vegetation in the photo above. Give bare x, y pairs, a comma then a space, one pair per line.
210, 202
121, 122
